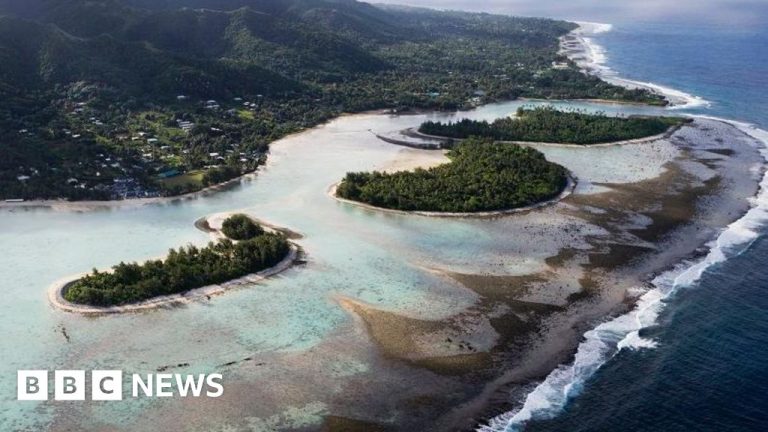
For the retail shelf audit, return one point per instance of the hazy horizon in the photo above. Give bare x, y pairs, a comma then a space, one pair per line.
736, 13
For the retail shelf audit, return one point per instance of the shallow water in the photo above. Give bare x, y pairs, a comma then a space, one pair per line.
373, 257
699, 363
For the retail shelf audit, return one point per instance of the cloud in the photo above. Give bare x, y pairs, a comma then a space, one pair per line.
725, 12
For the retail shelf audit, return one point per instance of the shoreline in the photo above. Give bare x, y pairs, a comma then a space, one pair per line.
58, 289
570, 186
590, 57
666, 134
643, 309
92, 205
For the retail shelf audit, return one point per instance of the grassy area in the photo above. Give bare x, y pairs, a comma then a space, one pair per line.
245, 114
193, 178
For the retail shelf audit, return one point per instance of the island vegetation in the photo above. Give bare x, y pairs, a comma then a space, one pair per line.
481, 176
546, 124
240, 227
184, 269
116, 99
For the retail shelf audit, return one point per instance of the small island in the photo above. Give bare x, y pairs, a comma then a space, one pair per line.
482, 176
246, 249
546, 124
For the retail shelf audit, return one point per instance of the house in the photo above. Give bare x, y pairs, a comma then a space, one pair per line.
169, 173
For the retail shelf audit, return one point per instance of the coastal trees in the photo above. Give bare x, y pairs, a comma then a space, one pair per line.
546, 124
218, 84
182, 270
482, 176
240, 227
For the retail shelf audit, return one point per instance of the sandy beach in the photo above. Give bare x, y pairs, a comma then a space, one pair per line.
591, 58
490, 322
666, 134
210, 225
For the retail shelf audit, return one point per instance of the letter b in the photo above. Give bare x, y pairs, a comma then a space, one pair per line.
32, 385
69, 385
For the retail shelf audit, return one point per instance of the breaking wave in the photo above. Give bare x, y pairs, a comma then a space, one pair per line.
603, 342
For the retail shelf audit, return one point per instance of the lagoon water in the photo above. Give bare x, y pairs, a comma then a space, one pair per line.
706, 373
373, 257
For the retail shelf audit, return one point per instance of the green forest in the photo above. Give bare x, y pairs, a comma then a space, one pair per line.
240, 227
117, 99
481, 176
546, 124
182, 270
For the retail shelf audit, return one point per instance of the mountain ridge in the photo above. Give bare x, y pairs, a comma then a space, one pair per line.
124, 76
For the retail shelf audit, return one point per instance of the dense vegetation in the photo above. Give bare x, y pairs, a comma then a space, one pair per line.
112, 99
547, 124
185, 269
482, 176
240, 227
182, 270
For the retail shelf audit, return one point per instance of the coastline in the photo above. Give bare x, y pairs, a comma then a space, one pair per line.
615, 333
58, 289
666, 134
590, 57
91, 205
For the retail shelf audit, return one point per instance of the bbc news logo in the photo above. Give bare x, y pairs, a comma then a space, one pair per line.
107, 385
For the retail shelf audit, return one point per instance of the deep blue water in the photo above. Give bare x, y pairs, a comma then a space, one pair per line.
710, 369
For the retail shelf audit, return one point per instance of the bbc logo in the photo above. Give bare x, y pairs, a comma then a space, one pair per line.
69, 385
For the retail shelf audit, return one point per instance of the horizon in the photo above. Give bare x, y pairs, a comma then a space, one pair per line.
741, 13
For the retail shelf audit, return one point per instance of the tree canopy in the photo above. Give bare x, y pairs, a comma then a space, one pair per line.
546, 124
240, 227
182, 270
481, 176
102, 99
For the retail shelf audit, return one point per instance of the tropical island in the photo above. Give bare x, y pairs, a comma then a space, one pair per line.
120, 99
549, 125
246, 249
481, 176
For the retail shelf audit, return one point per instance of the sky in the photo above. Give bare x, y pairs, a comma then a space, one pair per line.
748, 13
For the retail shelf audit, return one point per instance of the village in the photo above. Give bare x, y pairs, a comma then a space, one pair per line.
150, 153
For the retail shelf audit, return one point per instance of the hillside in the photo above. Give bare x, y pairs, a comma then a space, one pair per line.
126, 98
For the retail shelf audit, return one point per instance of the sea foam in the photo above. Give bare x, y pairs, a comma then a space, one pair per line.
603, 342
623, 332
595, 61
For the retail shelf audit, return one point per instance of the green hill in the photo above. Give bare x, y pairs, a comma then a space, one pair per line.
97, 94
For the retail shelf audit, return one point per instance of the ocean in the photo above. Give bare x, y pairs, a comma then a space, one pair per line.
700, 359
698, 363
